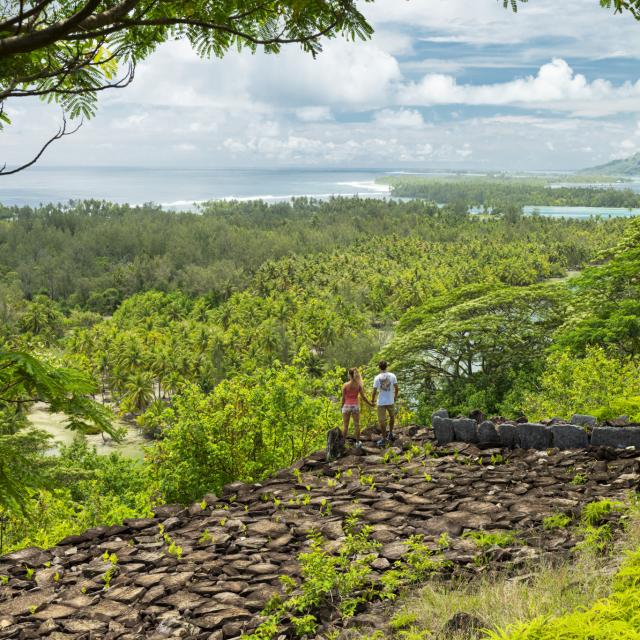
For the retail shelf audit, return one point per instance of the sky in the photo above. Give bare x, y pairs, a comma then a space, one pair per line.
443, 84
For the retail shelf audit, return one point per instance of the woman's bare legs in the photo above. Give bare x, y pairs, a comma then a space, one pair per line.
356, 425
345, 423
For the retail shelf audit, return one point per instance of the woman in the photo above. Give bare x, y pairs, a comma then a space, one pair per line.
351, 392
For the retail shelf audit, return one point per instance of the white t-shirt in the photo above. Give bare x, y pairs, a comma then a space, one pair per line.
384, 382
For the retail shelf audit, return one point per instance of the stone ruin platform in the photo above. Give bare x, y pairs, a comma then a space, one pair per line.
581, 432
235, 547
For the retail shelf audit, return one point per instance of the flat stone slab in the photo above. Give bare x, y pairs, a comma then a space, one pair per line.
24, 603
126, 594
488, 434
618, 437
30, 556
465, 430
569, 436
216, 620
54, 612
534, 436
267, 528
393, 550
443, 429
83, 626
469, 520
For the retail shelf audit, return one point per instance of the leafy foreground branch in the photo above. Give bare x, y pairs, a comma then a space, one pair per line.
25, 379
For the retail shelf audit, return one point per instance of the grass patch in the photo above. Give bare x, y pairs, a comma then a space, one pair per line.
549, 599
616, 616
594, 513
499, 602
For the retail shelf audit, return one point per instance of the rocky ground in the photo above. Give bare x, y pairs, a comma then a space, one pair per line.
207, 571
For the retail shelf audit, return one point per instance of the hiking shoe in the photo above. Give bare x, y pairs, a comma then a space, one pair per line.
390, 437
381, 442
358, 444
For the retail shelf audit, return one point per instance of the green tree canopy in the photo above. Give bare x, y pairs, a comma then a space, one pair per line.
607, 301
476, 339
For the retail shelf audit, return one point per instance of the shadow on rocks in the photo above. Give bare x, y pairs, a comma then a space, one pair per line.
462, 626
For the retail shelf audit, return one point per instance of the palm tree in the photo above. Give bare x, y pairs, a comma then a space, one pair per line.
138, 392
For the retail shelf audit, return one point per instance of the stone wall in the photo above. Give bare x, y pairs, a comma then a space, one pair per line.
581, 432
124, 583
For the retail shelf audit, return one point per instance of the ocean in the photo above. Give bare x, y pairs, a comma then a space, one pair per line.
182, 189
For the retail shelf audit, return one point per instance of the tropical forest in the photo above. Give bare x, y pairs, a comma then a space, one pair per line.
180, 455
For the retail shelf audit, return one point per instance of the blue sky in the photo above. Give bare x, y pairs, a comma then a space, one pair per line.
459, 84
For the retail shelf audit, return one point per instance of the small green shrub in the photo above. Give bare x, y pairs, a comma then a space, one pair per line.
556, 521
486, 540
614, 618
402, 620
579, 479
596, 539
595, 513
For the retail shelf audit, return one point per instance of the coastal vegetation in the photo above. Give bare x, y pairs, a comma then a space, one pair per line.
506, 195
224, 334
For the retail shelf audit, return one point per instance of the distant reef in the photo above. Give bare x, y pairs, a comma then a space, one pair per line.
626, 167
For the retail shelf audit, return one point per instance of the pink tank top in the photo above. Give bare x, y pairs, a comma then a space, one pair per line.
351, 395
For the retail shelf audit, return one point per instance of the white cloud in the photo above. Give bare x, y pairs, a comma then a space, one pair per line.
314, 114
465, 152
399, 118
423, 150
131, 122
478, 22
345, 75
234, 146
555, 86
416, 94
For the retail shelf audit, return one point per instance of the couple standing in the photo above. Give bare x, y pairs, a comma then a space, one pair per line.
385, 388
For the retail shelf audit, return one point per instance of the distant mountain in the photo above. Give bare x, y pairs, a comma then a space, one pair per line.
626, 167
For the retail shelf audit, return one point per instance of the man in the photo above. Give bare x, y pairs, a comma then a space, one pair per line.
385, 388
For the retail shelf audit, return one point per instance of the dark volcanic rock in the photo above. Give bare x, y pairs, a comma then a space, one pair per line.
488, 434
509, 435
236, 548
463, 624
568, 436
440, 413
582, 420
534, 436
618, 437
465, 430
443, 429
30, 556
